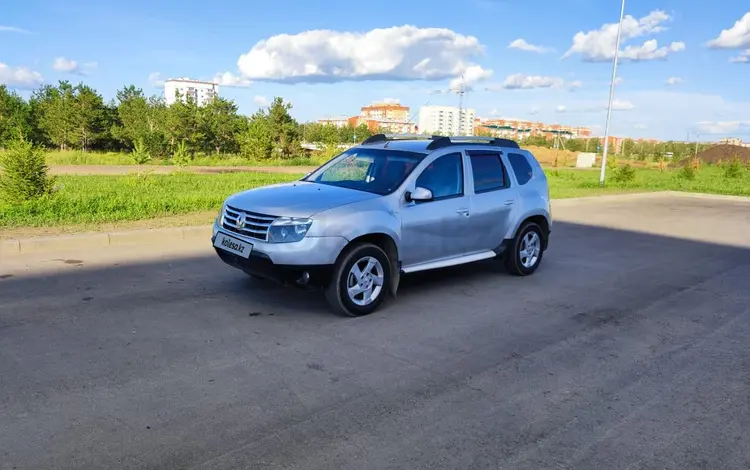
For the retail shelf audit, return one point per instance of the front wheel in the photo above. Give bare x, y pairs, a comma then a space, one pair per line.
525, 252
360, 280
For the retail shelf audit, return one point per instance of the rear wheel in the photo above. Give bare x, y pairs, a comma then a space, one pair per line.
525, 253
360, 280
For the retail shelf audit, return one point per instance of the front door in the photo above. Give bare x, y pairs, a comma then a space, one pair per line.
436, 230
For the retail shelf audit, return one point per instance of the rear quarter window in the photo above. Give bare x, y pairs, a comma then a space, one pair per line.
521, 167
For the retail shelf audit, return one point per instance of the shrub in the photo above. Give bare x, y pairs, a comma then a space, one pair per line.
141, 155
624, 174
734, 169
688, 172
24, 174
181, 156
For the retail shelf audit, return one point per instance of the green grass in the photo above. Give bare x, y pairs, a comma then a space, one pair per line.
577, 183
106, 199
99, 200
76, 157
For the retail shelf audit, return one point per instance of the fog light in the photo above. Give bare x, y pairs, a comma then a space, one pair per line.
304, 279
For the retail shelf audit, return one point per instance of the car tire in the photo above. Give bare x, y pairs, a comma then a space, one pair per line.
375, 280
518, 260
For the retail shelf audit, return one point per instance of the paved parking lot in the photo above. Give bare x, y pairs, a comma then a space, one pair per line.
629, 348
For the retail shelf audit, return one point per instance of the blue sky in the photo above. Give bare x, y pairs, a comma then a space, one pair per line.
686, 64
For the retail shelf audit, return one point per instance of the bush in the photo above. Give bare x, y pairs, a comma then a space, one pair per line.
688, 171
181, 156
141, 154
734, 169
624, 174
24, 174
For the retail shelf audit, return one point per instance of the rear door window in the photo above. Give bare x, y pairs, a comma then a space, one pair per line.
489, 172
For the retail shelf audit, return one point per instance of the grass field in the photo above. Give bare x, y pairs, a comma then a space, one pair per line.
84, 203
75, 157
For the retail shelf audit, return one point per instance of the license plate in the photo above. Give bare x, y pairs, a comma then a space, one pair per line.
233, 245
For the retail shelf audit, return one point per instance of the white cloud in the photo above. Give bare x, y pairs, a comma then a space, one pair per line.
391, 100
473, 74
575, 85
520, 81
743, 58
155, 79
599, 45
650, 50
736, 37
674, 81
261, 101
722, 127
535, 110
228, 79
561, 109
395, 53
618, 81
523, 45
19, 77
61, 64
14, 29
622, 105
494, 112
640, 126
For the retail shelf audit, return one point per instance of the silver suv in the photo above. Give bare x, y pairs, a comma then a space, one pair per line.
392, 205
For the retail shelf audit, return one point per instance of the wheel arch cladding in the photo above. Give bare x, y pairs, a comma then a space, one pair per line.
386, 243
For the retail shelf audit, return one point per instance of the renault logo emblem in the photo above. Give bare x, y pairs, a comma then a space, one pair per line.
241, 221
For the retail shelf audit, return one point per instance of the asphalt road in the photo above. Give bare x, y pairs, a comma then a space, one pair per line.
629, 348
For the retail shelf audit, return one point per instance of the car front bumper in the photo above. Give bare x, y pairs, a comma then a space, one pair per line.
307, 262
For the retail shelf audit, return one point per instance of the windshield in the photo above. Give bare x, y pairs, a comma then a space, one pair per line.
379, 171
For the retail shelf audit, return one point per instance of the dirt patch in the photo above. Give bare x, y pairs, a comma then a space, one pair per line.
725, 153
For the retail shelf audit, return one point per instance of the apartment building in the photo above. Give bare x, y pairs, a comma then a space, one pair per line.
389, 111
446, 120
389, 126
338, 121
521, 129
200, 92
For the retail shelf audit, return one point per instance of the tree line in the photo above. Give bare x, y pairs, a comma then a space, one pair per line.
67, 116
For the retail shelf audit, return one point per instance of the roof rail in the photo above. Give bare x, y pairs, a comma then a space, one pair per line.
441, 142
377, 138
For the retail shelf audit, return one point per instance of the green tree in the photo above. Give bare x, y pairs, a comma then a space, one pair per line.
284, 129
221, 126
258, 141
54, 113
88, 116
15, 117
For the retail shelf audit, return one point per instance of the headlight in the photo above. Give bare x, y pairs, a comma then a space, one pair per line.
220, 215
288, 229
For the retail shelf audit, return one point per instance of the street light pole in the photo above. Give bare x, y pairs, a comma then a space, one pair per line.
611, 96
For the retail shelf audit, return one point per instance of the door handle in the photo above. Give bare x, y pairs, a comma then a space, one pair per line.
463, 211
509, 203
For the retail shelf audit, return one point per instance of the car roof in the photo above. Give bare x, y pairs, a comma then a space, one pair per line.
427, 145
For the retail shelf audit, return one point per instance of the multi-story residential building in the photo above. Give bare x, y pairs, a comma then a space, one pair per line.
391, 111
200, 92
521, 129
446, 120
338, 121
389, 126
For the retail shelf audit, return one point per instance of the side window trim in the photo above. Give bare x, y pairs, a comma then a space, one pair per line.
506, 176
462, 178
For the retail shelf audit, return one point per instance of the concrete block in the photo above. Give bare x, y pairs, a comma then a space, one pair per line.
149, 236
81, 242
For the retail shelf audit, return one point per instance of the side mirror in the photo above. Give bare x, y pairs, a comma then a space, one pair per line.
419, 195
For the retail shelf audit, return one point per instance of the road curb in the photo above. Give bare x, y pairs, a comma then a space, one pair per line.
85, 241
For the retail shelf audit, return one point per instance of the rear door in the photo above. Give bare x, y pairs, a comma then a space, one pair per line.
493, 199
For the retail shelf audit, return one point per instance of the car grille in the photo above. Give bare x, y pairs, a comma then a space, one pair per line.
255, 225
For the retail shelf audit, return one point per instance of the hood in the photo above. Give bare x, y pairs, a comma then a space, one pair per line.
296, 199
